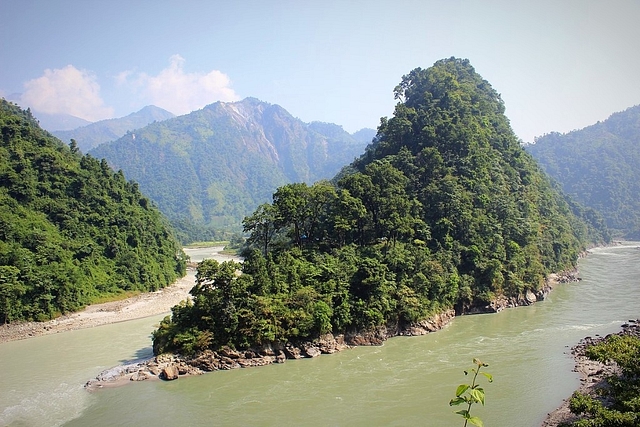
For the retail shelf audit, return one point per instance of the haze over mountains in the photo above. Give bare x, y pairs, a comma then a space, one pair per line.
94, 134
599, 166
214, 166
59, 122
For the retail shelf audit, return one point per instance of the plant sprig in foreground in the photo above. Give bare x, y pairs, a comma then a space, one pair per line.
470, 394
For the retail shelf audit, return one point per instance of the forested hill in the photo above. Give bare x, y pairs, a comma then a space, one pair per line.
94, 134
600, 167
444, 210
71, 230
214, 166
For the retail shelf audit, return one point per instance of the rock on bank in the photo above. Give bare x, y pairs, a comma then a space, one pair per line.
170, 367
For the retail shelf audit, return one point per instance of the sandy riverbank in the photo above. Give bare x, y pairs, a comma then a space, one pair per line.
139, 306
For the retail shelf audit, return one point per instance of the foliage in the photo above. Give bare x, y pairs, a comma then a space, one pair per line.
444, 210
209, 169
599, 167
71, 230
470, 394
623, 391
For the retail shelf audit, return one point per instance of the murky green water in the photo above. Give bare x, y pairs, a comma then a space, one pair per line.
406, 382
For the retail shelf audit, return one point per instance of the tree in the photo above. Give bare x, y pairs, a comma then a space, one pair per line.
291, 204
11, 289
262, 226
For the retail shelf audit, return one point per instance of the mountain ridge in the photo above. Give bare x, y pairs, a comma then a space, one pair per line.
599, 166
214, 166
93, 134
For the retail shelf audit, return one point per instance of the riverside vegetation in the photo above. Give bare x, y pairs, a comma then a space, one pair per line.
444, 211
615, 401
72, 231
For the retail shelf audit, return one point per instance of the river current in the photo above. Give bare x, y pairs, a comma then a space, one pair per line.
407, 381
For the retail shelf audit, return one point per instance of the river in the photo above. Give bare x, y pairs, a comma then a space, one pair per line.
407, 381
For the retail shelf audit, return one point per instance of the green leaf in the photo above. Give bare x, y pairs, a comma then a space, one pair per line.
457, 401
464, 413
489, 376
461, 389
478, 395
476, 421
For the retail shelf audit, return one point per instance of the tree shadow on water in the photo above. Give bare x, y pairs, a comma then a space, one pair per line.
141, 355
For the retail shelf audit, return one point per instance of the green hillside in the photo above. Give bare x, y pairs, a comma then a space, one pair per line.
445, 210
71, 230
599, 166
214, 166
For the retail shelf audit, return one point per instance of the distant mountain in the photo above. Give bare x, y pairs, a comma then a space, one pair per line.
365, 135
59, 122
216, 165
91, 135
600, 167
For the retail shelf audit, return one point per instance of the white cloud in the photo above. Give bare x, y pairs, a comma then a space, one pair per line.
66, 91
177, 91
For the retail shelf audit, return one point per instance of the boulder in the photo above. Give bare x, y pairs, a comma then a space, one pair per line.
153, 368
206, 361
292, 352
312, 351
227, 363
139, 376
169, 373
183, 368
267, 350
530, 297
227, 351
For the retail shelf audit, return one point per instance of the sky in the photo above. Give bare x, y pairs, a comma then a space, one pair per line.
559, 65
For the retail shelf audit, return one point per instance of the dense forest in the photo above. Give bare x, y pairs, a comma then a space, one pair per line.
444, 210
599, 166
208, 169
72, 231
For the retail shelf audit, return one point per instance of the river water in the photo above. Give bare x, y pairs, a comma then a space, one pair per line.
407, 381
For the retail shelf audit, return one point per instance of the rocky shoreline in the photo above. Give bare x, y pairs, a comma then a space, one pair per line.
170, 367
174, 366
593, 375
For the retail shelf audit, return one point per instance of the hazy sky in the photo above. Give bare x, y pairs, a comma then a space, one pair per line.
559, 65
